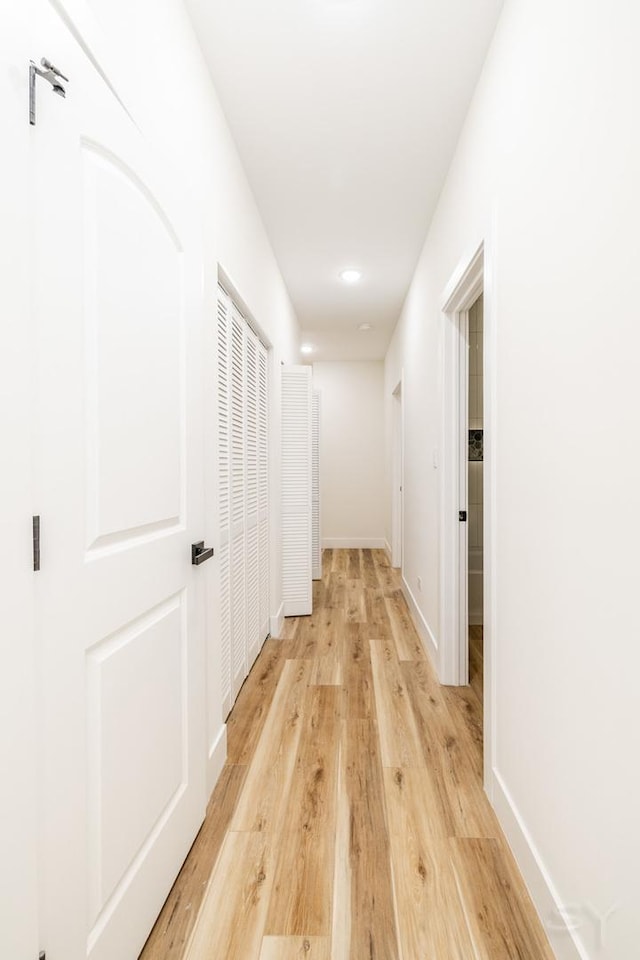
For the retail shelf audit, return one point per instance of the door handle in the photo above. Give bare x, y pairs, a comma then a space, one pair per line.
200, 553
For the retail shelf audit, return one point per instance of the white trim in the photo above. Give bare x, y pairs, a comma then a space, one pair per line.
82, 23
474, 275
425, 632
229, 287
277, 622
462, 290
564, 941
216, 758
387, 550
353, 543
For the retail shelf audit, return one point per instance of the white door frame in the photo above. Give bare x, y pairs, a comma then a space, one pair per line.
472, 277
397, 478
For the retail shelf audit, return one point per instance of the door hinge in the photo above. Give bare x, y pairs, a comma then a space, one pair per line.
52, 75
35, 526
462, 516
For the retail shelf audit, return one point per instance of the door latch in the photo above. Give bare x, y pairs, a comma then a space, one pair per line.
462, 516
52, 75
35, 536
200, 553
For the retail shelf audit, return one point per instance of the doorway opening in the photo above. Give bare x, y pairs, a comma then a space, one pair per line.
397, 479
475, 495
467, 493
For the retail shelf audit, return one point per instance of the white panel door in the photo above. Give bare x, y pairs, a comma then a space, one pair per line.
296, 491
316, 550
119, 447
224, 493
251, 503
263, 489
238, 504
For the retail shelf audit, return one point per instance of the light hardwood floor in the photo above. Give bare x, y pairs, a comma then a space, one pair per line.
350, 821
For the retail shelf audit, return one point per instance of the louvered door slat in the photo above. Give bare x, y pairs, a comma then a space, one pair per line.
224, 495
263, 491
238, 494
251, 465
296, 490
316, 552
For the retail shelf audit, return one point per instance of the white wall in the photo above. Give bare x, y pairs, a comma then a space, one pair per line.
547, 172
352, 500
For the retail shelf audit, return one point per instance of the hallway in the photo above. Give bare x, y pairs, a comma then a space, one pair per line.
350, 819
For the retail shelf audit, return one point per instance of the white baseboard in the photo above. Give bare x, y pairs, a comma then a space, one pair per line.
217, 758
560, 925
387, 550
429, 642
353, 543
475, 618
276, 622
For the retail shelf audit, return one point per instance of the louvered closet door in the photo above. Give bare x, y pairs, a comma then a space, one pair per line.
251, 499
316, 551
296, 491
224, 493
238, 506
263, 491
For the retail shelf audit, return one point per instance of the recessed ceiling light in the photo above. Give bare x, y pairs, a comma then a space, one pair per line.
307, 348
350, 275
365, 326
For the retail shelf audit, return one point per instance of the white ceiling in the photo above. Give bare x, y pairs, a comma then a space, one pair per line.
346, 114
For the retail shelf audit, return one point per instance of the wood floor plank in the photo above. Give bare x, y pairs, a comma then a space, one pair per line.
465, 711
501, 917
302, 646
246, 721
268, 780
376, 612
302, 896
341, 906
327, 664
371, 924
171, 932
340, 561
412, 804
336, 590
355, 607
369, 574
295, 948
405, 635
357, 673
354, 569
399, 737
289, 628
450, 757
232, 918
431, 918
387, 577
